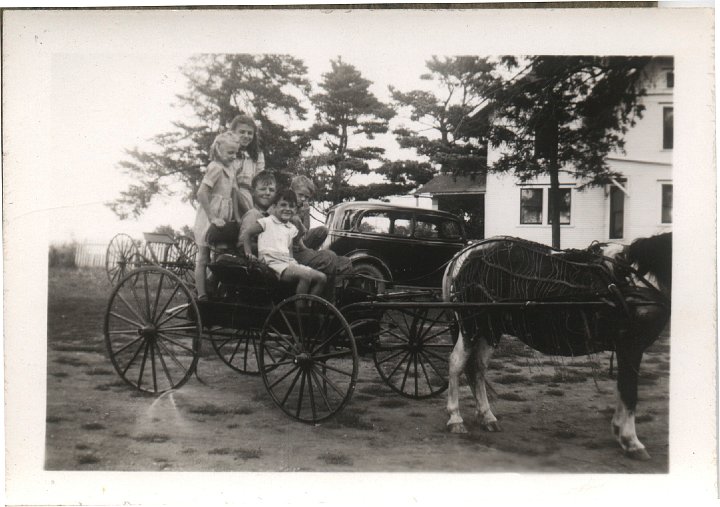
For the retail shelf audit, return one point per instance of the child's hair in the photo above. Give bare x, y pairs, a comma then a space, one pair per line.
226, 138
301, 182
287, 195
265, 177
253, 148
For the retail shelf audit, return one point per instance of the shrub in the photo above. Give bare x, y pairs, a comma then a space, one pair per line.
62, 256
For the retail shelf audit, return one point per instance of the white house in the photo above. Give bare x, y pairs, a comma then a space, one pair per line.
639, 204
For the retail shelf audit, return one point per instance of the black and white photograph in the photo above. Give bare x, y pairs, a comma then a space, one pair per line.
365, 252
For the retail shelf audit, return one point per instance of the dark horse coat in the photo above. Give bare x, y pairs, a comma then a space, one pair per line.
602, 304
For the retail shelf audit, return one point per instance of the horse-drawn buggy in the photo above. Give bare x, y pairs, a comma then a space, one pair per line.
157, 249
307, 349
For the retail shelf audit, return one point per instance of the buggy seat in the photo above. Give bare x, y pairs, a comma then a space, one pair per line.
244, 280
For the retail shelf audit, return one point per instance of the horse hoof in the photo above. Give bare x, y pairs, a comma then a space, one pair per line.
492, 427
457, 428
638, 454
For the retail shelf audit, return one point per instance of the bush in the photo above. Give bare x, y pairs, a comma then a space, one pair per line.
63, 256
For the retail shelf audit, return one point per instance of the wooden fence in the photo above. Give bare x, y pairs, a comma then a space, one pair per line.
90, 255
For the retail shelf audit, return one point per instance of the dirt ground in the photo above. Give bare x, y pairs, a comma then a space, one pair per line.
555, 414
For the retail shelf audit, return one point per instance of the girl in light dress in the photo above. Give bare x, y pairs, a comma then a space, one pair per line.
250, 160
216, 197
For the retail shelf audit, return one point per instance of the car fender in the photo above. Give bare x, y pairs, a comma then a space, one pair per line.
365, 255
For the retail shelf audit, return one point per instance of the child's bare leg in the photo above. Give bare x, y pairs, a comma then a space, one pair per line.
203, 257
318, 283
293, 274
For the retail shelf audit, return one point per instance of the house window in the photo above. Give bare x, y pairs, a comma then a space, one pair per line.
617, 212
667, 204
531, 205
670, 79
667, 128
565, 196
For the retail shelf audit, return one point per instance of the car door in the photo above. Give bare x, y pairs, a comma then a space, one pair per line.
437, 240
387, 235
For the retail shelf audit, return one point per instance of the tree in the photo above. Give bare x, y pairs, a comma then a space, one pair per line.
443, 119
346, 110
269, 87
564, 113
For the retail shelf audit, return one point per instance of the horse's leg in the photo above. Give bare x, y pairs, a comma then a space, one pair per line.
475, 371
458, 359
629, 357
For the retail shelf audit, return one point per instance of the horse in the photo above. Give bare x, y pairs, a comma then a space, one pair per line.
576, 302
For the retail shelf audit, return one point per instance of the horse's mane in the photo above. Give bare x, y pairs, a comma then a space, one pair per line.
653, 255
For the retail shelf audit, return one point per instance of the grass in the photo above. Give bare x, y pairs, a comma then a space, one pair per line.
152, 438
555, 392
72, 361
350, 418
87, 459
99, 371
208, 409
331, 458
79, 348
511, 397
53, 419
393, 403
245, 454
511, 378
93, 426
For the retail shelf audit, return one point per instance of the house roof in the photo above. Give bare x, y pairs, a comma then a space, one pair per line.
448, 184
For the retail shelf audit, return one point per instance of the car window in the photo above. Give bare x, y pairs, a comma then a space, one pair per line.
437, 228
426, 229
402, 226
450, 230
383, 222
376, 222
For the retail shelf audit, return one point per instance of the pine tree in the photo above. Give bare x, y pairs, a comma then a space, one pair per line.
347, 113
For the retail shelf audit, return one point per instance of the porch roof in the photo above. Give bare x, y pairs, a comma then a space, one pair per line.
448, 184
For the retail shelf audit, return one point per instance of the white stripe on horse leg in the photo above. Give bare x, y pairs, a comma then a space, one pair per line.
623, 427
458, 358
482, 408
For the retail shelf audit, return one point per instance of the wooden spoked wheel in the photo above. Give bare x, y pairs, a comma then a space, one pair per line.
121, 257
238, 349
308, 358
183, 255
413, 350
152, 330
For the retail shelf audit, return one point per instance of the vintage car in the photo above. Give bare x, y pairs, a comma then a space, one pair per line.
395, 245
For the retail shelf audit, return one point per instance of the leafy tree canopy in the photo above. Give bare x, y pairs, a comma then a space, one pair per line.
269, 87
571, 111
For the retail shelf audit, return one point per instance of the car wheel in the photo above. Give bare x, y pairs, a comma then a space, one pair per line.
372, 278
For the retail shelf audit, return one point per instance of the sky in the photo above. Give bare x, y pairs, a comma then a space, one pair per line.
103, 104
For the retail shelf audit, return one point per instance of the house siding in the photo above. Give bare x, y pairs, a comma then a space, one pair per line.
645, 165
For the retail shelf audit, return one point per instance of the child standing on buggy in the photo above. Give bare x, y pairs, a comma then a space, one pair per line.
217, 205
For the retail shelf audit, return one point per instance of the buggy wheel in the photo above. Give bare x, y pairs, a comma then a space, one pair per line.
121, 257
183, 255
413, 350
308, 358
152, 330
238, 348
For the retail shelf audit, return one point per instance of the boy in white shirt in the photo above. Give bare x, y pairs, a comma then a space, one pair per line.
275, 244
